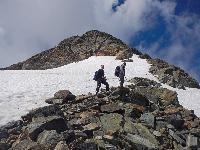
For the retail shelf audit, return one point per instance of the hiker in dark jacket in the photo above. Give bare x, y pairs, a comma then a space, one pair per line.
122, 74
101, 79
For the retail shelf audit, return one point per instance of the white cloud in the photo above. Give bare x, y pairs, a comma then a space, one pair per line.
32, 26
28, 27
184, 43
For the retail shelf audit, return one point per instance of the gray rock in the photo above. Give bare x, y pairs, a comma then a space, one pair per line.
113, 107
12, 124
149, 119
176, 120
45, 111
66, 95
177, 137
61, 146
27, 145
87, 146
161, 124
111, 122
48, 123
129, 126
140, 143
49, 138
138, 81
157, 133
145, 133
192, 142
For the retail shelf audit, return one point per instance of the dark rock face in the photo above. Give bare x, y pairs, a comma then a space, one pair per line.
144, 82
49, 138
27, 145
140, 116
172, 75
45, 123
61, 97
75, 49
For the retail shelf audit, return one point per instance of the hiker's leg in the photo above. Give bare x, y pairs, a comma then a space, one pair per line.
106, 84
98, 86
121, 81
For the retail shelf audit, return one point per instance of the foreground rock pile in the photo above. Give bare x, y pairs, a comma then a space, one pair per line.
140, 116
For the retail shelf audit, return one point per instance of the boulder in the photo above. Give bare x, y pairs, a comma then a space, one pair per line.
113, 107
178, 138
61, 146
86, 146
49, 138
144, 132
66, 95
129, 126
12, 124
176, 120
111, 123
45, 111
138, 81
91, 127
45, 123
139, 142
28, 145
192, 142
159, 96
149, 119
54, 101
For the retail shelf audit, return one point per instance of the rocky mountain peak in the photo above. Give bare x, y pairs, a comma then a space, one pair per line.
74, 49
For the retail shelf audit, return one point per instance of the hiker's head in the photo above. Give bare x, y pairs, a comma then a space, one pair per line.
124, 64
102, 66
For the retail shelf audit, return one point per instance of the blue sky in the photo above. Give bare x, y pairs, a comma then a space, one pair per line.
167, 29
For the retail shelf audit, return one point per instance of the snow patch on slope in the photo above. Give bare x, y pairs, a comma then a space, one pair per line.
23, 90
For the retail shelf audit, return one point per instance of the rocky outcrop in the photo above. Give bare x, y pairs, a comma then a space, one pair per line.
172, 75
75, 49
139, 116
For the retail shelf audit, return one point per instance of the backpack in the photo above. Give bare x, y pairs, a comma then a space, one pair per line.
117, 71
96, 76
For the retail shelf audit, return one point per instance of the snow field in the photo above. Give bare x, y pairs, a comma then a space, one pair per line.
24, 90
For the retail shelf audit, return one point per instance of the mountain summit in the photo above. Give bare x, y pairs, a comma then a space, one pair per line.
75, 49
